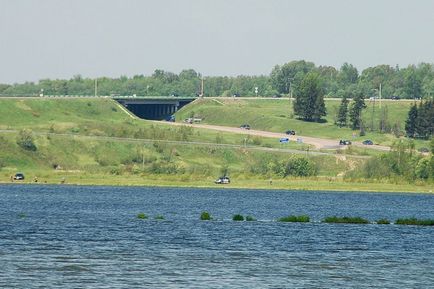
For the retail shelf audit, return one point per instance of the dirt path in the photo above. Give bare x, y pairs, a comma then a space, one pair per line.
318, 143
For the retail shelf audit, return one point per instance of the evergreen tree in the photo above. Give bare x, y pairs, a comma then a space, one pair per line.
425, 119
309, 102
410, 123
343, 112
356, 111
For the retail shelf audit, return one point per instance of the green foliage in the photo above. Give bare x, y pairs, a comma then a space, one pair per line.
300, 166
309, 102
250, 219
383, 222
355, 113
159, 217
205, 216
410, 123
238, 217
293, 218
414, 221
345, 220
342, 113
26, 141
142, 216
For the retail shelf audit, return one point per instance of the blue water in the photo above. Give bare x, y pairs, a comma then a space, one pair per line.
89, 237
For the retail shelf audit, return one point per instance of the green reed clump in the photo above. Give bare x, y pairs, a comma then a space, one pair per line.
383, 222
142, 216
159, 217
22, 215
293, 218
205, 216
345, 220
250, 218
414, 221
238, 217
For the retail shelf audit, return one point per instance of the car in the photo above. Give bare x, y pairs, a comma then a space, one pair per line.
395, 97
277, 96
245, 126
290, 132
223, 180
368, 142
19, 176
344, 142
236, 95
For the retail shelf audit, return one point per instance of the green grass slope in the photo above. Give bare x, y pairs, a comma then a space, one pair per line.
276, 115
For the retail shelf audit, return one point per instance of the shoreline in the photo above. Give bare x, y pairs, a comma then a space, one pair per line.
246, 184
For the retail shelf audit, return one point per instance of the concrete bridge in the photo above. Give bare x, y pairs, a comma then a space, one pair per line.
154, 108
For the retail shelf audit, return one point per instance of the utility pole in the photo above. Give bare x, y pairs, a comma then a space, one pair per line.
201, 88
380, 95
96, 87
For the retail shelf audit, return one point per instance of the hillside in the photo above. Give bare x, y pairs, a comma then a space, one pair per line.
276, 115
93, 141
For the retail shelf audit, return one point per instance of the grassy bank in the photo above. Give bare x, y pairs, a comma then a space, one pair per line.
94, 142
276, 115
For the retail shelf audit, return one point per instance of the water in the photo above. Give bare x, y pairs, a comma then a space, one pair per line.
89, 237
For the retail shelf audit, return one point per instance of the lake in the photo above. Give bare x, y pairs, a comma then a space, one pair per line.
90, 237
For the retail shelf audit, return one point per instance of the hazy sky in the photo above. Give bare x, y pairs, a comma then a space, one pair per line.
61, 38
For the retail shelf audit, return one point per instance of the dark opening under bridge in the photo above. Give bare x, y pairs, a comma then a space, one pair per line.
154, 108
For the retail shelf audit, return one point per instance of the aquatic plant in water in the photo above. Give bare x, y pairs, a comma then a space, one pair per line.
142, 216
250, 218
238, 217
383, 222
414, 221
293, 218
345, 220
159, 217
205, 216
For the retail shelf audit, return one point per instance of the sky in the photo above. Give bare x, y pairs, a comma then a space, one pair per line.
58, 39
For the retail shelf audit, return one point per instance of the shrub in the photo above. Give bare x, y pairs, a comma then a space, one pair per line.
205, 216
159, 217
383, 222
414, 221
292, 218
25, 140
142, 216
250, 218
238, 217
300, 166
345, 220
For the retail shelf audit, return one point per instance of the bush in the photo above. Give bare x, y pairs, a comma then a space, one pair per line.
345, 220
142, 216
25, 140
300, 166
238, 218
292, 218
159, 217
250, 218
383, 222
416, 222
205, 216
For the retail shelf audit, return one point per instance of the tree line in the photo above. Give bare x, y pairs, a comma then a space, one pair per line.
413, 81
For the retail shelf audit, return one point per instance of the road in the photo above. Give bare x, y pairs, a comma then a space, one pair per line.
318, 143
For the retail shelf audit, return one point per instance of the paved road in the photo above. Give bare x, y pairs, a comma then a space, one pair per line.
319, 143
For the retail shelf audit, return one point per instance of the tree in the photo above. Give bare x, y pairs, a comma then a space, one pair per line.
343, 113
355, 113
25, 140
410, 123
309, 102
348, 74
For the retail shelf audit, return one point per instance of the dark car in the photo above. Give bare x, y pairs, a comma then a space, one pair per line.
344, 142
290, 132
19, 177
245, 126
236, 95
223, 180
367, 142
395, 97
